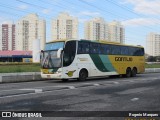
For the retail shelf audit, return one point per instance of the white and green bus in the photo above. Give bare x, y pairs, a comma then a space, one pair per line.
82, 59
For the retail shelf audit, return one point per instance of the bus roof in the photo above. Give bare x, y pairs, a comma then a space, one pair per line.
96, 41
61, 40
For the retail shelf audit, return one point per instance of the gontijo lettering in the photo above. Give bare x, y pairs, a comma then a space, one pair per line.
123, 59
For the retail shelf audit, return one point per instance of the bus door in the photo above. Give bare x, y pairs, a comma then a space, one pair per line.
69, 61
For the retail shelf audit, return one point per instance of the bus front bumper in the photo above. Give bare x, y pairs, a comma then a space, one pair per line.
52, 76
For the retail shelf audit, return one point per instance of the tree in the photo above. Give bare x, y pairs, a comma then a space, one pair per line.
151, 59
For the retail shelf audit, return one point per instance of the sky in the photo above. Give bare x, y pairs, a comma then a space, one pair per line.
139, 17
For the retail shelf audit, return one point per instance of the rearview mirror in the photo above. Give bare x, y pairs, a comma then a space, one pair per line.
59, 52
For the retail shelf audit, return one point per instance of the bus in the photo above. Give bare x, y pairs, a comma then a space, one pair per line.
82, 59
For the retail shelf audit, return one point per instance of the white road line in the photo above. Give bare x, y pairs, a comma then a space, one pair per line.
31, 88
27, 89
131, 81
134, 99
38, 90
96, 84
9, 96
71, 87
8, 90
116, 82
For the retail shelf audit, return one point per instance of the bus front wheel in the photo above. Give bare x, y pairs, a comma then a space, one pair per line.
128, 72
83, 74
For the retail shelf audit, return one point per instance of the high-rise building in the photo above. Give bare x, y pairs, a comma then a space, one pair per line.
64, 27
7, 37
153, 44
96, 29
116, 32
30, 28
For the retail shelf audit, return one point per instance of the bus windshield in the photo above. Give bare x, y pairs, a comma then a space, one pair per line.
49, 57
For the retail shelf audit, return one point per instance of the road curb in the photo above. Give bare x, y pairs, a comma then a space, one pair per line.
20, 77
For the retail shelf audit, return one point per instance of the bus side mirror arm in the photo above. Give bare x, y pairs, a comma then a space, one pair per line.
59, 52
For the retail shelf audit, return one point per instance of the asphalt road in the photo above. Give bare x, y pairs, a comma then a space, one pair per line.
141, 93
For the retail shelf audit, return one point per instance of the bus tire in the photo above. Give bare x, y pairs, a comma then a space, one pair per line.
64, 80
128, 72
134, 72
83, 74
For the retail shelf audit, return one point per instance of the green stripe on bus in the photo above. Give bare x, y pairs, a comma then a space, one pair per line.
106, 62
98, 62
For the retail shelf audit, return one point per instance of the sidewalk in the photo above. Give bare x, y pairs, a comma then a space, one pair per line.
35, 76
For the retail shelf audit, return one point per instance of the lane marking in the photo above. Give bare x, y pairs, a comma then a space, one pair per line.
9, 96
116, 82
32, 89
134, 99
96, 84
131, 81
38, 91
71, 87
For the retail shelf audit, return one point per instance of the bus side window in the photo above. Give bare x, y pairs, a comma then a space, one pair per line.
83, 47
136, 52
107, 49
79, 48
93, 48
115, 50
142, 51
131, 51
101, 48
124, 50
86, 47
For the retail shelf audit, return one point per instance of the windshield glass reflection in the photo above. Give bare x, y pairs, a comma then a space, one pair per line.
49, 60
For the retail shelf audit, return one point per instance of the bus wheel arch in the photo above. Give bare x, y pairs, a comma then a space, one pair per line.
83, 74
134, 72
128, 72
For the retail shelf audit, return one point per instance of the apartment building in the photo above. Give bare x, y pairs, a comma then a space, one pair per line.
30, 28
96, 29
153, 44
64, 27
7, 37
99, 29
116, 32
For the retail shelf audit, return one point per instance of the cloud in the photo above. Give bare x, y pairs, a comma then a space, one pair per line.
22, 7
141, 22
147, 7
88, 13
46, 11
4, 20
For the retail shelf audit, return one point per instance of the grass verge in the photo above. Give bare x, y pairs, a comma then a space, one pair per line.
13, 68
152, 65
